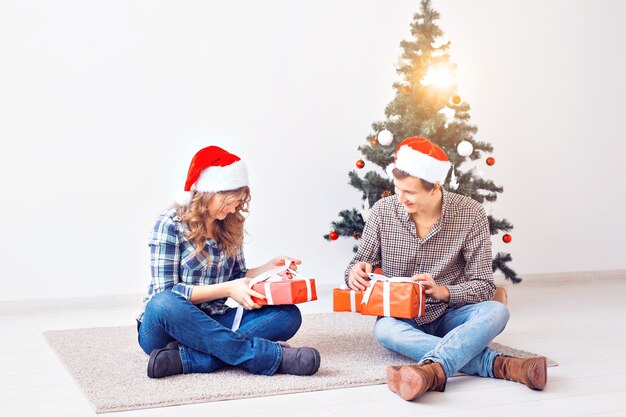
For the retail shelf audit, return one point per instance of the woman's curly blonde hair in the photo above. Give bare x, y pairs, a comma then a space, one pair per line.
228, 232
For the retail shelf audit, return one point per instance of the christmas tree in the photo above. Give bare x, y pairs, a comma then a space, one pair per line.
426, 104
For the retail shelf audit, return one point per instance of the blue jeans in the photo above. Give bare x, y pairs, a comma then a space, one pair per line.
457, 340
206, 342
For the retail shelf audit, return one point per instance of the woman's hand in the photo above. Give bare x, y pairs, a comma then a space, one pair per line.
436, 292
284, 260
239, 291
274, 263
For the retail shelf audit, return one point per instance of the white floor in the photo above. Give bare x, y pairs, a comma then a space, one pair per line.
580, 324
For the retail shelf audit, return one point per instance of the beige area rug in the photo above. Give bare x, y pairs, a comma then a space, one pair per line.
110, 368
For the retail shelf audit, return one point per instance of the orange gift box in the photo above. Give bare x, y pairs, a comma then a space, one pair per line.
395, 299
286, 291
347, 300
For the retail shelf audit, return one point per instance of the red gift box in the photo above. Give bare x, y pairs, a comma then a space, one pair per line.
278, 287
286, 291
347, 300
394, 297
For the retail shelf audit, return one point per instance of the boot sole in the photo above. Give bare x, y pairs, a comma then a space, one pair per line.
318, 362
153, 356
538, 374
393, 379
151, 362
412, 383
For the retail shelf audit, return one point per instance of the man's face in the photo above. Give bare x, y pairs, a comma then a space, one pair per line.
411, 194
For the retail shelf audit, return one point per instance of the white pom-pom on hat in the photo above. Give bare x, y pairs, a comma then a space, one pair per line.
183, 198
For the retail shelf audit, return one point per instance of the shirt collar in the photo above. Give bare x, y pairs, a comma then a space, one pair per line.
444, 205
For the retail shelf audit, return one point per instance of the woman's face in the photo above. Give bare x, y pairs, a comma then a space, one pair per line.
223, 204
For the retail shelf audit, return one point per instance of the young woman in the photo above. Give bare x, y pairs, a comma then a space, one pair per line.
197, 262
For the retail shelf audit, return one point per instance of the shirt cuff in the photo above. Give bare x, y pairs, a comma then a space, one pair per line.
456, 296
183, 289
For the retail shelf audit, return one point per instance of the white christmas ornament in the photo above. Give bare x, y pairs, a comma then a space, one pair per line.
448, 113
464, 148
385, 137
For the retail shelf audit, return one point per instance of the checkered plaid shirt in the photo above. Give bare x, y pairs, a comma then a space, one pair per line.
456, 251
175, 267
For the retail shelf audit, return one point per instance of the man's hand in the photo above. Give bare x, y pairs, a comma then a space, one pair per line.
359, 274
436, 292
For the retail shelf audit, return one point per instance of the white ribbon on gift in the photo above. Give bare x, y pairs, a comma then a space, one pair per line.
343, 286
271, 276
387, 290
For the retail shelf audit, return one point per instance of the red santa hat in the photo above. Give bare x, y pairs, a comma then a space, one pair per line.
213, 169
421, 158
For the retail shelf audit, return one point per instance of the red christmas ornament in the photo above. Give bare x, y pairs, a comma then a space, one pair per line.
491, 160
360, 164
374, 142
405, 89
333, 235
507, 238
456, 99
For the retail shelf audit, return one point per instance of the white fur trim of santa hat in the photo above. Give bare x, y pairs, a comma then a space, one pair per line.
420, 158
229, 177
213, 169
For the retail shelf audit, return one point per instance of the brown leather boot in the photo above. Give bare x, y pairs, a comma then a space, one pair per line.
393, 378
531, 372
415, 380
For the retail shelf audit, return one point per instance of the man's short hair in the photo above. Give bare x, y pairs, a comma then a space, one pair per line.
399, 174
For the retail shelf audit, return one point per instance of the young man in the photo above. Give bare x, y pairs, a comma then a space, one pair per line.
442, 240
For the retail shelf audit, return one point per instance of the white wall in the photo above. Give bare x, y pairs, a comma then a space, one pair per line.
103, 104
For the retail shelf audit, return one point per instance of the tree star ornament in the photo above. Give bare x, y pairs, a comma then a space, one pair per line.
385, 137
464, 148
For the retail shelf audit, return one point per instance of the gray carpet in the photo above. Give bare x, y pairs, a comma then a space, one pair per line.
110, 368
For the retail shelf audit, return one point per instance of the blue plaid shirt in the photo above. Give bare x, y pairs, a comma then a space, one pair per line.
175, 267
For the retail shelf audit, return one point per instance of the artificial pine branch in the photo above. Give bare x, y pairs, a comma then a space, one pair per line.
419, 109
500, 262
499, 225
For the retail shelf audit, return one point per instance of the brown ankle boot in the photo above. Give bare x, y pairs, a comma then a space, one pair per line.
393, 378
415, 380
531, 372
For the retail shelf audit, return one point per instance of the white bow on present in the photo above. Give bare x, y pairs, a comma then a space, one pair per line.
268, 277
